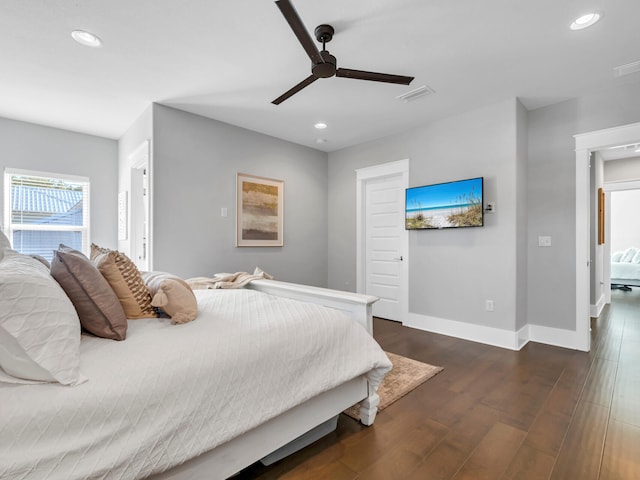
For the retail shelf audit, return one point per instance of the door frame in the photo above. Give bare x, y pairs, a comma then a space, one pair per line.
586, 143
141, 158
620, 186
363, 175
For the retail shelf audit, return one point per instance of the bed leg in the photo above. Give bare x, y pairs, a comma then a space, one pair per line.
368, 409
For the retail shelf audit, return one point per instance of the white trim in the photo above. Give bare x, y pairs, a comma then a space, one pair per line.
38, 173
522, 337
606, 268
585, 144
362, 175
495, 336
553, 336
621, 185
84, 229
468, 331
596, 310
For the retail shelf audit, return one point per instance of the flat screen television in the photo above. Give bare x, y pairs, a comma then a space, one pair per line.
445, 205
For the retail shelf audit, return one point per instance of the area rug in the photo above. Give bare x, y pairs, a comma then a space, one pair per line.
406, 375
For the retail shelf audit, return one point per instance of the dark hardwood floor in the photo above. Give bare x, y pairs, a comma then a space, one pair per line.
541, 413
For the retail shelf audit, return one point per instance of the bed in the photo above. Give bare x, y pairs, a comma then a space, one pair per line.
262, 371
625, 268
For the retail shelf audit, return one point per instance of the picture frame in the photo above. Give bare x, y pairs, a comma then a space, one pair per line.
259, 211
601, 200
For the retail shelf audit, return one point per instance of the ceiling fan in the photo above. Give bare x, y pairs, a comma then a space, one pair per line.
323, 64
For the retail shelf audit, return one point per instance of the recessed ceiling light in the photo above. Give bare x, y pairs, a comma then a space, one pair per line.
86, 38
320, 125
585, 21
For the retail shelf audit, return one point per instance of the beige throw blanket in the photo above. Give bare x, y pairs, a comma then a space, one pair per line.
227, 280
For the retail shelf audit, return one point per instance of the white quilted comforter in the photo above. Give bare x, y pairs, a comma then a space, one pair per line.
625, 271
171, 392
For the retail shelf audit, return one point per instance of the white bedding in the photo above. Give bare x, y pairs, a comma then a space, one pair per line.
625, 271
171, 392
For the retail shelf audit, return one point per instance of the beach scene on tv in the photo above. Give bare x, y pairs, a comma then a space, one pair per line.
445, 205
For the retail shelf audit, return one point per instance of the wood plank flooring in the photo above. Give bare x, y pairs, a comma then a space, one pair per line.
543, 413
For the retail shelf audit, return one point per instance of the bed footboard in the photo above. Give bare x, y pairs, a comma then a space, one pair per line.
357, 306
258, 443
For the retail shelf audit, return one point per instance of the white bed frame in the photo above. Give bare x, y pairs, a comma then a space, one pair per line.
298, 423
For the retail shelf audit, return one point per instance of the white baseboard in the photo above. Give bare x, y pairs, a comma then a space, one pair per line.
553, 336
467, 331
596, 310
512, 340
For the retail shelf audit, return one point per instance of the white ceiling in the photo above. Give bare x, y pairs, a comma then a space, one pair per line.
228, 60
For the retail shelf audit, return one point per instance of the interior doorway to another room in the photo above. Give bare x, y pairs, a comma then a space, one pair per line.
623, 202
586, 144
140, 244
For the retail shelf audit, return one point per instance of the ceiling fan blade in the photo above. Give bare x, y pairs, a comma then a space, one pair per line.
373, 76
307, 81
292, 17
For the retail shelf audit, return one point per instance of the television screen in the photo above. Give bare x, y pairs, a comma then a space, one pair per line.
445, 205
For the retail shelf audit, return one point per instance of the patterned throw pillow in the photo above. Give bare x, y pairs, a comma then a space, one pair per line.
125, 280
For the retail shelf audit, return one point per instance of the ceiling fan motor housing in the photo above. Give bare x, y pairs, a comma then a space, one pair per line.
326, 69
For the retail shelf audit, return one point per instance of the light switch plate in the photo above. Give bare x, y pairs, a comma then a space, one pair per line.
544, 241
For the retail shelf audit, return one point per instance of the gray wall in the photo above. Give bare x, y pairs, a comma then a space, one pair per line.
451, 272
551, 195
35, 147
195, 160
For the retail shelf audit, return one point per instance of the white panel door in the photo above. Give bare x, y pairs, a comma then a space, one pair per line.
384, 231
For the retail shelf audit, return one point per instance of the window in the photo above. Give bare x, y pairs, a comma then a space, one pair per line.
43, 210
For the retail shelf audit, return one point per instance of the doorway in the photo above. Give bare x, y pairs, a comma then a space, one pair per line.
587, 143
381, 239
622, 200
140, 207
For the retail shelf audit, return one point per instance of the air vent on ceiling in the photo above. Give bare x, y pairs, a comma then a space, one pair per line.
417, 93
627, 69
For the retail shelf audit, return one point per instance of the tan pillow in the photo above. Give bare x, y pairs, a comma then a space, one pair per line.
125, 280
172, 295
97, 305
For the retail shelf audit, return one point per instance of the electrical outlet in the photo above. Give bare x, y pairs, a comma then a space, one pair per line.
489, 305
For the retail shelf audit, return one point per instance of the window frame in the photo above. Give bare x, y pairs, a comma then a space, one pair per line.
84, 229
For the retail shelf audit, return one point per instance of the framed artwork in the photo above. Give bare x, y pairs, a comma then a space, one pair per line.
600, 216
259, 211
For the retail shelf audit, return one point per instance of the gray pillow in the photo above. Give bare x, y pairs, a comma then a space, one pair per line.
97, 305
5, 244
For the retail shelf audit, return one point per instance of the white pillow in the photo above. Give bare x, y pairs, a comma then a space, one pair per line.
628, 254
39, 327
616, 257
